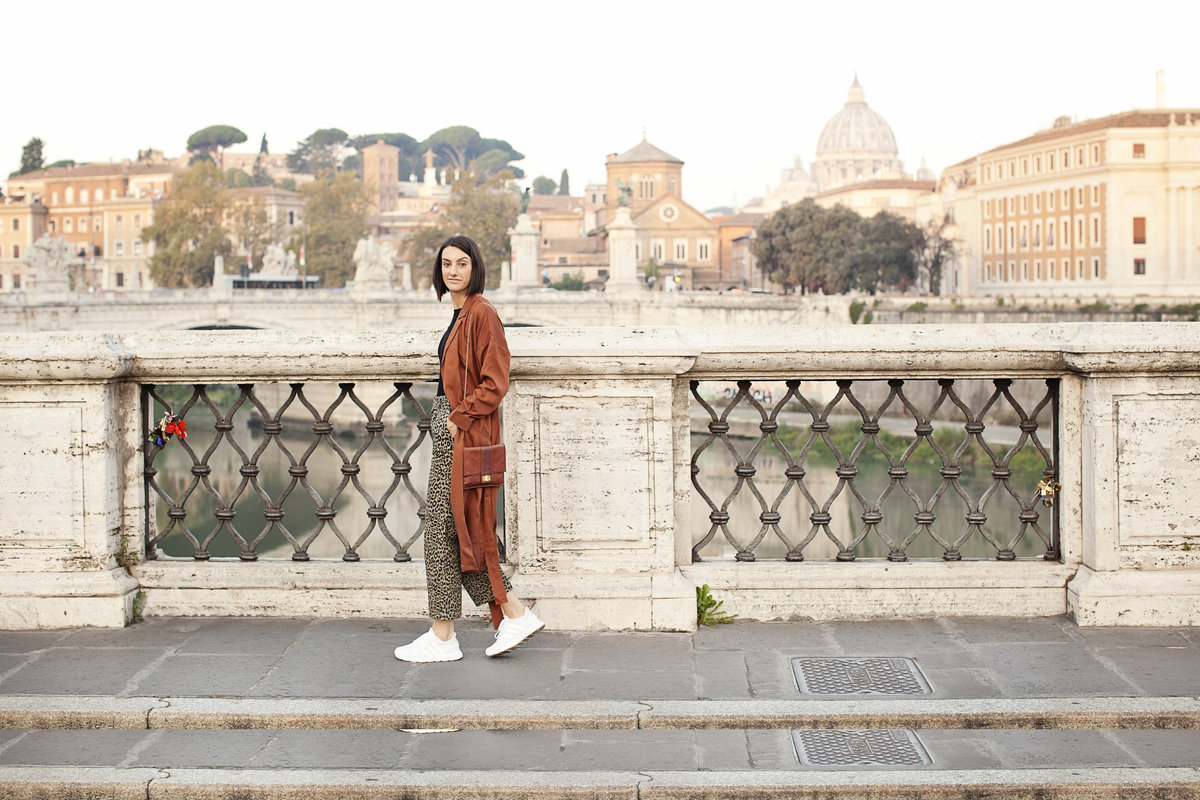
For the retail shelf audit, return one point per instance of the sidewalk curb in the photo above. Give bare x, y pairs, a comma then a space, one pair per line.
199, 713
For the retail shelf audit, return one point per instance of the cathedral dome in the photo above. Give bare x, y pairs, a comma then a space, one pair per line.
857, 129
857, 143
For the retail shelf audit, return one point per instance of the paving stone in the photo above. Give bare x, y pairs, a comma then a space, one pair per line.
637, 750
1047, 670
10, 664
1159, 748
771, 676
517, 750
350, 749
72, 748
154, 632
1159, 670
17, 642
205, 675
1132, 637
806, 638
201, 748
259, 636
616, 651
722, 674
961, 683
907, 638
675, 684
1048, 749
987, 630
354, 667
81, 670
7, 737
771, 749
722, 750
957, 749
525, 674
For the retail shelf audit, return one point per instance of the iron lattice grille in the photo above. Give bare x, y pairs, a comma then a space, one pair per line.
249, 487
812, 444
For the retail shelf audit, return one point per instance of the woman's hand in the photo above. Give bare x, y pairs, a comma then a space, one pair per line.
450, 426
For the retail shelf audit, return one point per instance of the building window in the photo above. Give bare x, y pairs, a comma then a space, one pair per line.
16, 251
1079, 237
1079, 268
656, 250
1024, 235
681, 250
1051, 270
637, 250
69, 195
120, 249
987, 269
671, 185
83, 196
1037, 202
1095, 229
1079, 157
137, 221
1066, 237
1139, 230
137, 249
292, 216
1024, 270
16, 281
1037, 165
1095, 268
16, 224
68, 224
1139, 151
120, 276
1037, 269
702, 250
1066, 159
97, 225
1050, 161
987, 240
1012, 236
1066, 199
1050, 201
120, 220
1095, 154
51, 225
987, 174
83, 224
1139, 267
1024, 204
1079, 196
1037, 235
1095, 195
54, 198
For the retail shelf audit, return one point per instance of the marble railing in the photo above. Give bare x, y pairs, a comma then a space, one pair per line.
600, 505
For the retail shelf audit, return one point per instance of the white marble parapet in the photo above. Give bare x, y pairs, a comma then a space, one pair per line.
598, 493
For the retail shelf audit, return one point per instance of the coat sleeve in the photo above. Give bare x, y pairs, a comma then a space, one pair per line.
491, 358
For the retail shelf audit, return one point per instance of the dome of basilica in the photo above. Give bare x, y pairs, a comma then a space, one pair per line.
856, 143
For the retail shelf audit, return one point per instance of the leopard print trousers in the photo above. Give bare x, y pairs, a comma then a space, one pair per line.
443, 571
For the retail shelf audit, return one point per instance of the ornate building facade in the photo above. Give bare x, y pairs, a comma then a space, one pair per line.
1107, 206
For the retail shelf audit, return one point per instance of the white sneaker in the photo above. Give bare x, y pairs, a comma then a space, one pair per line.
513, 631
428, 647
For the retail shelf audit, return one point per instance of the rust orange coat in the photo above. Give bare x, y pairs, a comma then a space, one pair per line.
475, 409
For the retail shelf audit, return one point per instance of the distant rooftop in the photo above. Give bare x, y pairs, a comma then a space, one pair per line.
641, 152
1158, 118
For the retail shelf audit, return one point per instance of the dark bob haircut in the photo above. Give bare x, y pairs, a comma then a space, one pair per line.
478, 271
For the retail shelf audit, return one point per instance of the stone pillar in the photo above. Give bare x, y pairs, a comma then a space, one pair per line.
69, 431
220, 287
622, 254
593, 490
523, 239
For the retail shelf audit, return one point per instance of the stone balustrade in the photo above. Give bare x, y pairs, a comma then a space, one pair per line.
598, 493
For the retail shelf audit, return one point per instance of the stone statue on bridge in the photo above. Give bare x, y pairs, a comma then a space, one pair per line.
276, 261
374, 264
49, 264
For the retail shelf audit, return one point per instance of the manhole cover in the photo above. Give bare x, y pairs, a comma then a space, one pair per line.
859, 676
826, 748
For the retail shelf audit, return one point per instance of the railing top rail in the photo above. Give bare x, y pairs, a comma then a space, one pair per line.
849, 351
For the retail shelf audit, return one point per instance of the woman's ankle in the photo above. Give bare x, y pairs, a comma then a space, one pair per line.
443, 629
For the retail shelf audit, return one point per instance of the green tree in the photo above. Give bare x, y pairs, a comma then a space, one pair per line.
461, 148
251, 226
261, 176
935, 249
484, 211
805, 247
213, 140
335, 218
62, 162
564, 183
543, 185
31, 156
237, 178
188, 229
324, 149
883, 256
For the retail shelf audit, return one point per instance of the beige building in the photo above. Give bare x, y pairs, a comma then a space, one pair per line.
674, 237
1107, 206
381, 172
899, 196
22, 221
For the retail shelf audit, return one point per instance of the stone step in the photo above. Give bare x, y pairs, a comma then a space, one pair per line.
993, 764
91, 712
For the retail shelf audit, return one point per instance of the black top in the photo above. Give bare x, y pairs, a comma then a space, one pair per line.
441, 390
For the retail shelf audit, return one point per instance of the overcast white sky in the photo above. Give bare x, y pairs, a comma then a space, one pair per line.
735, 89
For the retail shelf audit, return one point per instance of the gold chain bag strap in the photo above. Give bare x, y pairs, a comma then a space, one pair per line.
483, 467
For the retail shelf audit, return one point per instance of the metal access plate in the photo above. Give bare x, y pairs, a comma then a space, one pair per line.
834, 748
859, 676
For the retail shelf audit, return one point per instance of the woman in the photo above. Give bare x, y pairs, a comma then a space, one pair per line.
460, 524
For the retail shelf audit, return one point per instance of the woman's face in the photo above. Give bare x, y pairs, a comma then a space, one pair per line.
456, 270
